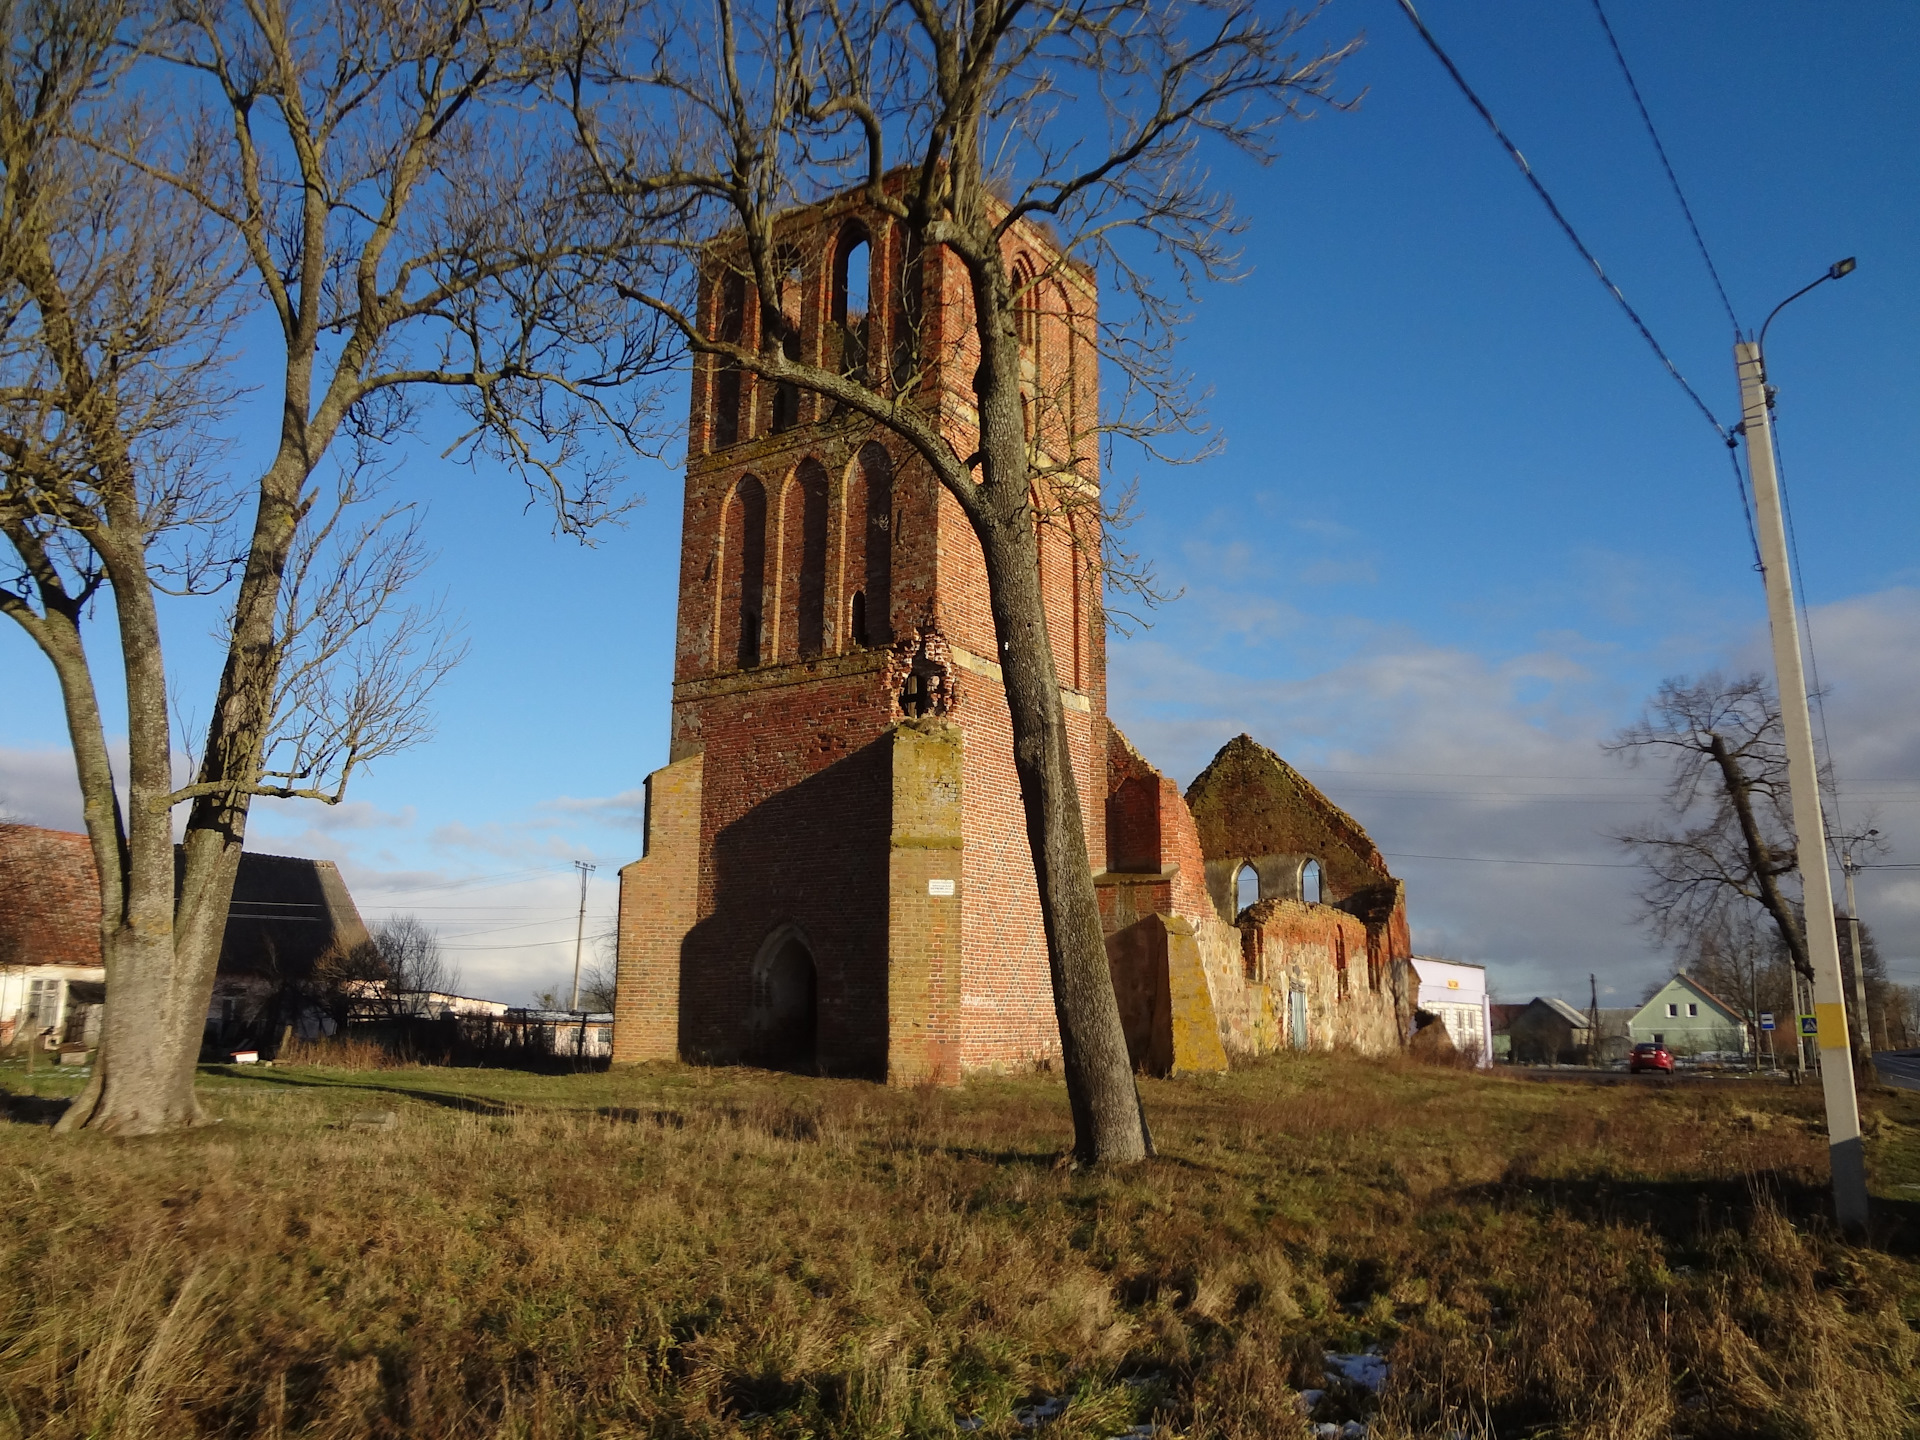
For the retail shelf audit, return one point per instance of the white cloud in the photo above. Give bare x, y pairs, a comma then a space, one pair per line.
38, 787
1443, 752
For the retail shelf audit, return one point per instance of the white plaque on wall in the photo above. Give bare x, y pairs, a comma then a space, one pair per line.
939, 887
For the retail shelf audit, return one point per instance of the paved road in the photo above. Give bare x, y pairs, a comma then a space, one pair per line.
1898, 1067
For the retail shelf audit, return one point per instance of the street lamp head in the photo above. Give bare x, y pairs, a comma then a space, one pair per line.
1839, 270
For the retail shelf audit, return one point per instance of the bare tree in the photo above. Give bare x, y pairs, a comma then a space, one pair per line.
598, 986
372, 171
1727, 845
968, 128
391, 975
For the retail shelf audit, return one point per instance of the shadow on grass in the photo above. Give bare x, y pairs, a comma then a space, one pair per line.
34, 1109
1682, 1212
471, 1104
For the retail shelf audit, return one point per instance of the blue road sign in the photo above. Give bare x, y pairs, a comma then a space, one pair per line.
1809, 1025
1766, 1020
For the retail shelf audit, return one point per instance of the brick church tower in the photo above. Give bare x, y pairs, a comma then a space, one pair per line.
836, 872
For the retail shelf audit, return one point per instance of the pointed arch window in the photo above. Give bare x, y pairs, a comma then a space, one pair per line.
908, 307
852, 281
869, 566
743, 592
786, 394
803, 560
1026, 309
1246, 887
731, 325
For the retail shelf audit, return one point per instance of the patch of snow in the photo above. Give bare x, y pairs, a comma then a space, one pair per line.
1367, 1370
1028, 1416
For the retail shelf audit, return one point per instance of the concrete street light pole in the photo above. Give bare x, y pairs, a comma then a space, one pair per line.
1844, 1149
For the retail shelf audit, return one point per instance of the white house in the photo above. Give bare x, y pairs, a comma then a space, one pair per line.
63, 999
1457, 993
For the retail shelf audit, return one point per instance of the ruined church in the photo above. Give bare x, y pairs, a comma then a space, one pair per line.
836, 874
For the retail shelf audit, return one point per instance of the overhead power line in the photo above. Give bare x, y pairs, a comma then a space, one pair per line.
1498, 860
1553, 209
1667, 165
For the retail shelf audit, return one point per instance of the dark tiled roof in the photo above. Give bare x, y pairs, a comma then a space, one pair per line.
286, 910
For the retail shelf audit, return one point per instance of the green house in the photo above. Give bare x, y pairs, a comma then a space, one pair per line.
1689, 1019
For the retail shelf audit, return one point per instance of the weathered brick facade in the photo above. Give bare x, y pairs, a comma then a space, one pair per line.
837, 873
802, 899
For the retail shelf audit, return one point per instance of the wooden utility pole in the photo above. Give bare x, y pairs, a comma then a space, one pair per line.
1593, 1020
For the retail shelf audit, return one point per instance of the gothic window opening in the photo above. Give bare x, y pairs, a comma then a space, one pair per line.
875, 468
860, 636
1246, 887
726, 385
1026, 315
803, 549
1340, 962
908, 310
852, 280
1310, 882
746, 579
786, 395
1026, 310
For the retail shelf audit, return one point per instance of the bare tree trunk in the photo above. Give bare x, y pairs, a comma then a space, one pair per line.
1766, 870
1108, 1127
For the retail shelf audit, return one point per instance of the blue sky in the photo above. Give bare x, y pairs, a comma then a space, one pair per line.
1462, 525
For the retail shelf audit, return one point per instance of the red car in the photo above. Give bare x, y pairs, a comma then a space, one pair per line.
1649, 1056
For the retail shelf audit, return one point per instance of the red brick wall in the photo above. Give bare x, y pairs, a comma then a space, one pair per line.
658, 895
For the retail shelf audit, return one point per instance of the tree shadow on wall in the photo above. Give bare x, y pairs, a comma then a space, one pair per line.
810, 860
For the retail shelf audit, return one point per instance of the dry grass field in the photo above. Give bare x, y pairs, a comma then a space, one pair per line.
695, 1252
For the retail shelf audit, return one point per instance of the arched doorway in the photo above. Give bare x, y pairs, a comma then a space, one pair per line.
786, 1003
